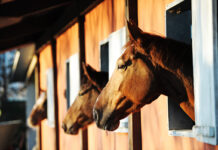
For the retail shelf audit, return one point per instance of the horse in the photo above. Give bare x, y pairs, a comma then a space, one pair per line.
151, 65
80, 113
39, 111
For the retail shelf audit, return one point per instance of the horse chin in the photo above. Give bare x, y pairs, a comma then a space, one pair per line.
73, 131
112, 126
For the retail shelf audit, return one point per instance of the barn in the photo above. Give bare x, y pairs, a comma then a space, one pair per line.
66, 33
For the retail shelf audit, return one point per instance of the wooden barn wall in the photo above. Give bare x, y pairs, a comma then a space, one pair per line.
151, 18
107, 17
67, 45
47, 133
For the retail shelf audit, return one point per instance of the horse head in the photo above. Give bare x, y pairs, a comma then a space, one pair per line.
139, 78
39, 111
80, 113
131, 85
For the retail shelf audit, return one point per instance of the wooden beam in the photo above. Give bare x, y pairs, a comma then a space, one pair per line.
82, 40
135, 137
18, 32
15, 43
5, 1
37, 87
27, 27
68, 18
84, 139
54, 60
132, 10
82, 56
26, 31
26, 8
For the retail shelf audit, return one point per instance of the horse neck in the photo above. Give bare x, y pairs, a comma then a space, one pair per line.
173, 56
170, 85
175, 60
174, 87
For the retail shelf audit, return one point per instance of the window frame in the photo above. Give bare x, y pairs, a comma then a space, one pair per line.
50, 98
178, 27
73, 84
205, 72
205, 64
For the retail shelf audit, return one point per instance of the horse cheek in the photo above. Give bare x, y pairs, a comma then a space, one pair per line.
144, 81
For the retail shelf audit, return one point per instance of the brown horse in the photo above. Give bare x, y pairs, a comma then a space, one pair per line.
80, 113
39, 111
150, 66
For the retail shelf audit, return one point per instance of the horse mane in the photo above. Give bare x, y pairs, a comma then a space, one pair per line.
167, 53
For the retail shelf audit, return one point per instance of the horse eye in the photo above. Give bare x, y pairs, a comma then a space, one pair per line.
122, 66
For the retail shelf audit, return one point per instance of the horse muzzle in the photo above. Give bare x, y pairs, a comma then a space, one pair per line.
105, 122
71, 130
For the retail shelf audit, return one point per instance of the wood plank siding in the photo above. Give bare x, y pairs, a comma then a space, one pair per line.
99, 23
67, 45
107, 17
151, 18
48, 141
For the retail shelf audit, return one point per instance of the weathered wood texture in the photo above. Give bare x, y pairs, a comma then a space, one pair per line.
107, 17
67, 19
67, 45
48, 141
154, 116
99, 23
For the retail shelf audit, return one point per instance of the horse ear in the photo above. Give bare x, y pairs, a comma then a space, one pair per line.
90, 73
88, 70
84, 66
134, 32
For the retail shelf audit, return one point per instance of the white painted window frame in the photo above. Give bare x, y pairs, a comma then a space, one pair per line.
205, 71
74, 76
50, 98
205, 62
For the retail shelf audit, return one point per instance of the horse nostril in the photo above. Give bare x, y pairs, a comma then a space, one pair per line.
95, 115
64, 127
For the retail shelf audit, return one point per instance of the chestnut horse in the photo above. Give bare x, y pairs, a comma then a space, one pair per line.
80, 113
150, 66
39, 111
